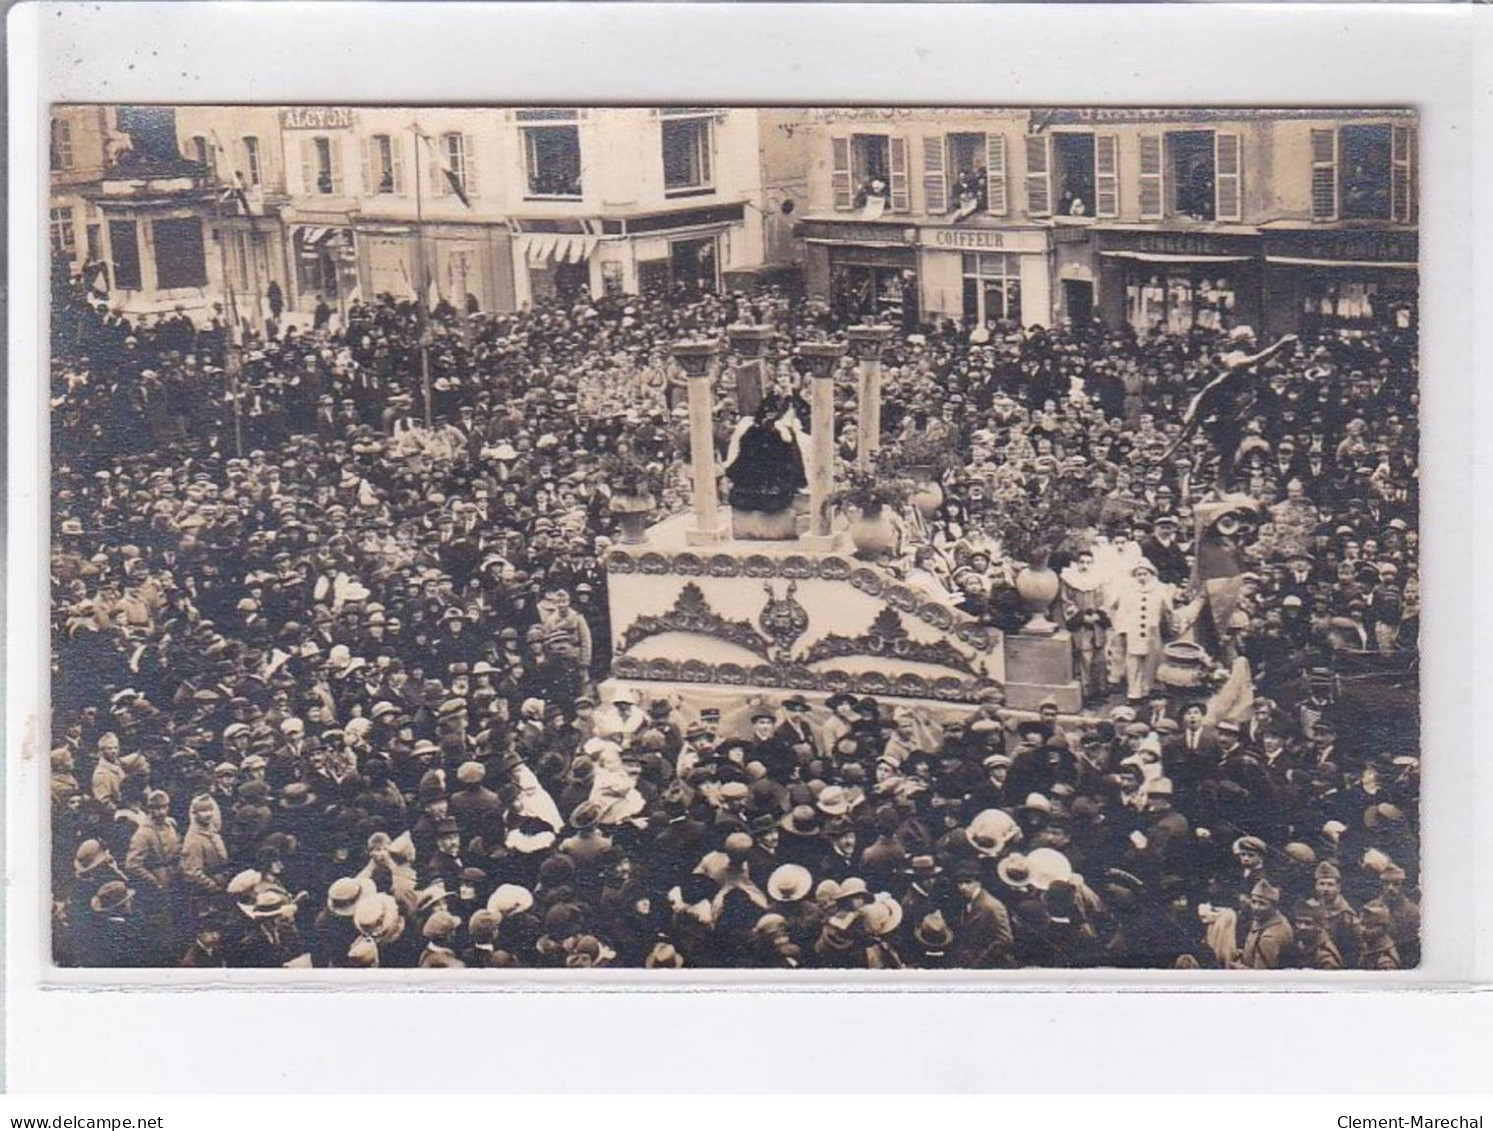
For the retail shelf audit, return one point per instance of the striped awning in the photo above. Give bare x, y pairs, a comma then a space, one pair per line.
310, 237
540, 248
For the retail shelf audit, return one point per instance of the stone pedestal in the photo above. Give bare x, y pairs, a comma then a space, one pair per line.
1041, 667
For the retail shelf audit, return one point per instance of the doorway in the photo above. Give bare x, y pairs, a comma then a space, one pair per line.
694, 267
1078, 300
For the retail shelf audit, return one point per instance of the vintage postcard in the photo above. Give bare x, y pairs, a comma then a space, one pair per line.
699, 538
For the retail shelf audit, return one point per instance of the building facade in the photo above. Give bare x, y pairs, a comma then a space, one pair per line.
919, 215
242, 150
82, 143
492, 209
1160, 219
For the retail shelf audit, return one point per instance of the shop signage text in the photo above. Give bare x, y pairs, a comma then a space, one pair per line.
1375, 246
316, 118
1065, 115
1177, 243
965, 238
981, 239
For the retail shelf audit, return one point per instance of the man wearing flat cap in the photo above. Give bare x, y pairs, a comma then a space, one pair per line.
1268, 941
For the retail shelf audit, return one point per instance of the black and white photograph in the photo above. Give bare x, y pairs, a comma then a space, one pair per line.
786, 539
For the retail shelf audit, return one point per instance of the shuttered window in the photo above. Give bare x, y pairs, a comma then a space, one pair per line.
995, 172
1228, 177
935, 184
1152, 189
1324, 174
900, 201
253, 170
1106, 175
1038, 175
1402, 174
840, 174
321, 166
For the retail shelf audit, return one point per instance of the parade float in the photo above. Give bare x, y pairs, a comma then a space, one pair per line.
707, 617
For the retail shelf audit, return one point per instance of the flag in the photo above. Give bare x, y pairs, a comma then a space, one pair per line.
453, 178
233, 193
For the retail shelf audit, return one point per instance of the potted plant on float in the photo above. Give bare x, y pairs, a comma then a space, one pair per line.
925, 458
632, 483
1030, 531
870, 501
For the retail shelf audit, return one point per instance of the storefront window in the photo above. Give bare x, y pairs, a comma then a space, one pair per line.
886, 294
1347, 304
992, 289
1179, 302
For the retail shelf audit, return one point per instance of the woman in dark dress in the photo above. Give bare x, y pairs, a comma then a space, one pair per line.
766, 469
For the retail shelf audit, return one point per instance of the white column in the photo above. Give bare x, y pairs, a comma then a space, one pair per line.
699, 359
824, 357
869, 341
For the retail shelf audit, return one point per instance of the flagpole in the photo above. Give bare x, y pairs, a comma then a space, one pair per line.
424, 324
232, 354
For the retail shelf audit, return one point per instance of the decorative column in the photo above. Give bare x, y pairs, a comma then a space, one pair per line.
824, 357
699, 360
869, 342
751, 343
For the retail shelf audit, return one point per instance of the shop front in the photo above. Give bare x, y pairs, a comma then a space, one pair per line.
1341, 279
985, 276
865, 271
554, 259
326, 265
683, 252
1177, 282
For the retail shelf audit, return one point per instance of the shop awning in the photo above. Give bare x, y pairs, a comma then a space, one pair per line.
310, 237
1167, 257
1295, 262
544, 247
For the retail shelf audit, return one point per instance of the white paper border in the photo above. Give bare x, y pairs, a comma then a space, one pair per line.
752, 54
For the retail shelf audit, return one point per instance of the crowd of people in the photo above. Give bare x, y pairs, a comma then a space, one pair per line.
327, 681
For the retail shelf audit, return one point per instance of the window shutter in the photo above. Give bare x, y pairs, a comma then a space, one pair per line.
935, 187
840, 174
1400, 174
1228, 177
396, 159
469, 165
1038, 175
370, 176
308, 166
997, 198
707, 141
1151, 195
1106, 175
1324, 174
334, 147
897, 151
